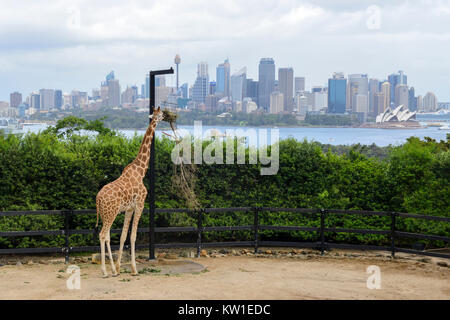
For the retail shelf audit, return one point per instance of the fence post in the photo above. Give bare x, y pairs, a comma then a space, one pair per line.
66, 249
256, 228
199, 231
151, 230
393, 218
322, 231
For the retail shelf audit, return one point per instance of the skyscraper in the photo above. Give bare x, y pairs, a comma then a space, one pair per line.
58, 99
47, 99
337, 93
374, 87
395, 79
286, 87
252, 90
429, 102
359, 88
379, 103
386, 90
276, 102
113, 93
299, 84
223, 79
15, 99
212, 87
266, 82
412, 105
35, 101
201, 85
238, 85
184, 90
147, 86
401, 95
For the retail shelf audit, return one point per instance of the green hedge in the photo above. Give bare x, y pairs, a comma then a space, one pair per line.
51, 170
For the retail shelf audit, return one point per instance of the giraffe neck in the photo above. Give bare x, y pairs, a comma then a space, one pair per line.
142, 159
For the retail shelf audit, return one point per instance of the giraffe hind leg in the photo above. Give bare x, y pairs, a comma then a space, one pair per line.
113, 267
102, 247
123, 237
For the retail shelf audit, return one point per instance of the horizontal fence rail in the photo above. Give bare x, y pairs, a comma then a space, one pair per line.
255, 228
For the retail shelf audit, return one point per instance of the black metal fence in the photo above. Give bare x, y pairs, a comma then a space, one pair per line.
255, 229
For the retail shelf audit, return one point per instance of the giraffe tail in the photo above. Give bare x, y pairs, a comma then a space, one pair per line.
96, 225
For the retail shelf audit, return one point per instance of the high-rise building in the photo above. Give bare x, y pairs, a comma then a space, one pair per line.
337, 93
184, 89
160, 81
147, 86
252, 90
386, 91
374, 88
238, 85
35, 101
58, 99
301, 103
299, 84
135, 93
212, 87
223, 79
127, 95
419, 103
430, 102
47, 99
211, 102
395, 79
15, 99
286, 87
379, 103
104, 94
361, 103
109, 76
201, 85
412, 105
266, 82
358, 86
401, 95
113, 93
276, 102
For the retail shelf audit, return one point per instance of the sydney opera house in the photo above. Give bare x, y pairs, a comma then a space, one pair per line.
399, 114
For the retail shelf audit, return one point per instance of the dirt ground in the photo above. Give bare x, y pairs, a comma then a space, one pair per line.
266, 276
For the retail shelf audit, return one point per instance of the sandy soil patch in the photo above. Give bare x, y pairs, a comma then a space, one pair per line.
239, 277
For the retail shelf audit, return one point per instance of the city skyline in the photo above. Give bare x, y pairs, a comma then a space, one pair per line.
75, 45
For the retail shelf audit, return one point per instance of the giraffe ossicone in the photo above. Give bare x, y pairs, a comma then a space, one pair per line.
126, 194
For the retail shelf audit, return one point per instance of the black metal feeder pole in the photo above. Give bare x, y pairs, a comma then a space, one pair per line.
151, 193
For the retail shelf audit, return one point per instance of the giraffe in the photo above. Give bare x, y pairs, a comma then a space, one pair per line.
126, 194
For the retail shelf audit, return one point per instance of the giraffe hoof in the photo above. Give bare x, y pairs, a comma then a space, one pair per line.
135, 274
104, 276
115, 275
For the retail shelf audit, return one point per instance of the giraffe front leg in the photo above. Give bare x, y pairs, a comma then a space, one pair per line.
137, 216
123, 237
113, 267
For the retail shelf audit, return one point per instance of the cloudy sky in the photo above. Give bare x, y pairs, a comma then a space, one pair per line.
73, 44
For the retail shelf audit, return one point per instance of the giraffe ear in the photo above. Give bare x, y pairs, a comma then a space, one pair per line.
159, 108
150, 116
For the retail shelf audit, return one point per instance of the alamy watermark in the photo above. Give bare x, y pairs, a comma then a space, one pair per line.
373, 21
74, 281
257, 142
374, 280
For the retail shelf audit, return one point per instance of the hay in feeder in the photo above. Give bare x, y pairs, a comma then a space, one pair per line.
184, 175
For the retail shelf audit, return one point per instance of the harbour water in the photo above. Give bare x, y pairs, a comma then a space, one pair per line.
334, 136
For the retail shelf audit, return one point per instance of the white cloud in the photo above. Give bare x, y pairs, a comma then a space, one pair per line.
40, 47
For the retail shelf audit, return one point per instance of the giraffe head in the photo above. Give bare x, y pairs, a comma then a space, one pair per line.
157, 115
